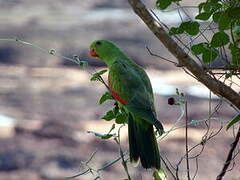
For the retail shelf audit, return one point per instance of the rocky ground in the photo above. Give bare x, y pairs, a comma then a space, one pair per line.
48, 104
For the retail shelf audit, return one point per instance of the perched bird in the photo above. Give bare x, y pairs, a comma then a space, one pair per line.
131, 88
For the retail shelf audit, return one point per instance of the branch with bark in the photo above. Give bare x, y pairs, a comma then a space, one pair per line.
184, 60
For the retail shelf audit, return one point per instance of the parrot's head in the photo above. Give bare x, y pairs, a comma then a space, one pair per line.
104, 50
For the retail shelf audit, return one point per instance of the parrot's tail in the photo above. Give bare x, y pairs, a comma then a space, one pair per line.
143, 143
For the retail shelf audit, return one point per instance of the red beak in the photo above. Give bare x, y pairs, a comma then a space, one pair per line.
93, 53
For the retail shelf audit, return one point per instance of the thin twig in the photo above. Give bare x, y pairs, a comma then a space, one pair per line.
102, 81
92, 155
152, 54
196, 171
186, 141
51, 52
117, 140
112, 162
168, 168
175, 36
79, 174
205, 138
182, 7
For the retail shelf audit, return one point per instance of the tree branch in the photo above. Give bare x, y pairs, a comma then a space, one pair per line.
216, 86
229, 157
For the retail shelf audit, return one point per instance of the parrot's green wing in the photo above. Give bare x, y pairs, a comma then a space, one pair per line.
133, 85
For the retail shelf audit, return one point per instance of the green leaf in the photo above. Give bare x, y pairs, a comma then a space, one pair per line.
159, 175
190, 27
235, 52
101, 72
212, 7
234, 13
207, 7
200, 6
96, 76
121, 118
233, 121
224, 22
209, 55
203, 16
219, 39
198, 48
109, 115
83, 63
216, 6
229, 74
102, 136
217, 15
176, 30
214, 1
106, 96
163, 4
107, 136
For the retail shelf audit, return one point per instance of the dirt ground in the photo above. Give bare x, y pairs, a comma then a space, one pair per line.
53, 108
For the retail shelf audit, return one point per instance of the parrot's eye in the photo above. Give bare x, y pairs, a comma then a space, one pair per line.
98, 43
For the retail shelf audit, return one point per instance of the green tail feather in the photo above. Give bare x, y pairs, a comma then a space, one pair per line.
133, 147
143, 143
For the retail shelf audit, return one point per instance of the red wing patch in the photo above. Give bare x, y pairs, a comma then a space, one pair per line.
117, 97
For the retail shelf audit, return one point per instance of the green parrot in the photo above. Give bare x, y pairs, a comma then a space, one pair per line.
131, 88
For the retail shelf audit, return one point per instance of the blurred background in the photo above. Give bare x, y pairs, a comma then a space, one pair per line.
48, 104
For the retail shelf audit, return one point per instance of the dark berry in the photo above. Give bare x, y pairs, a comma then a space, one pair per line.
171, 101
